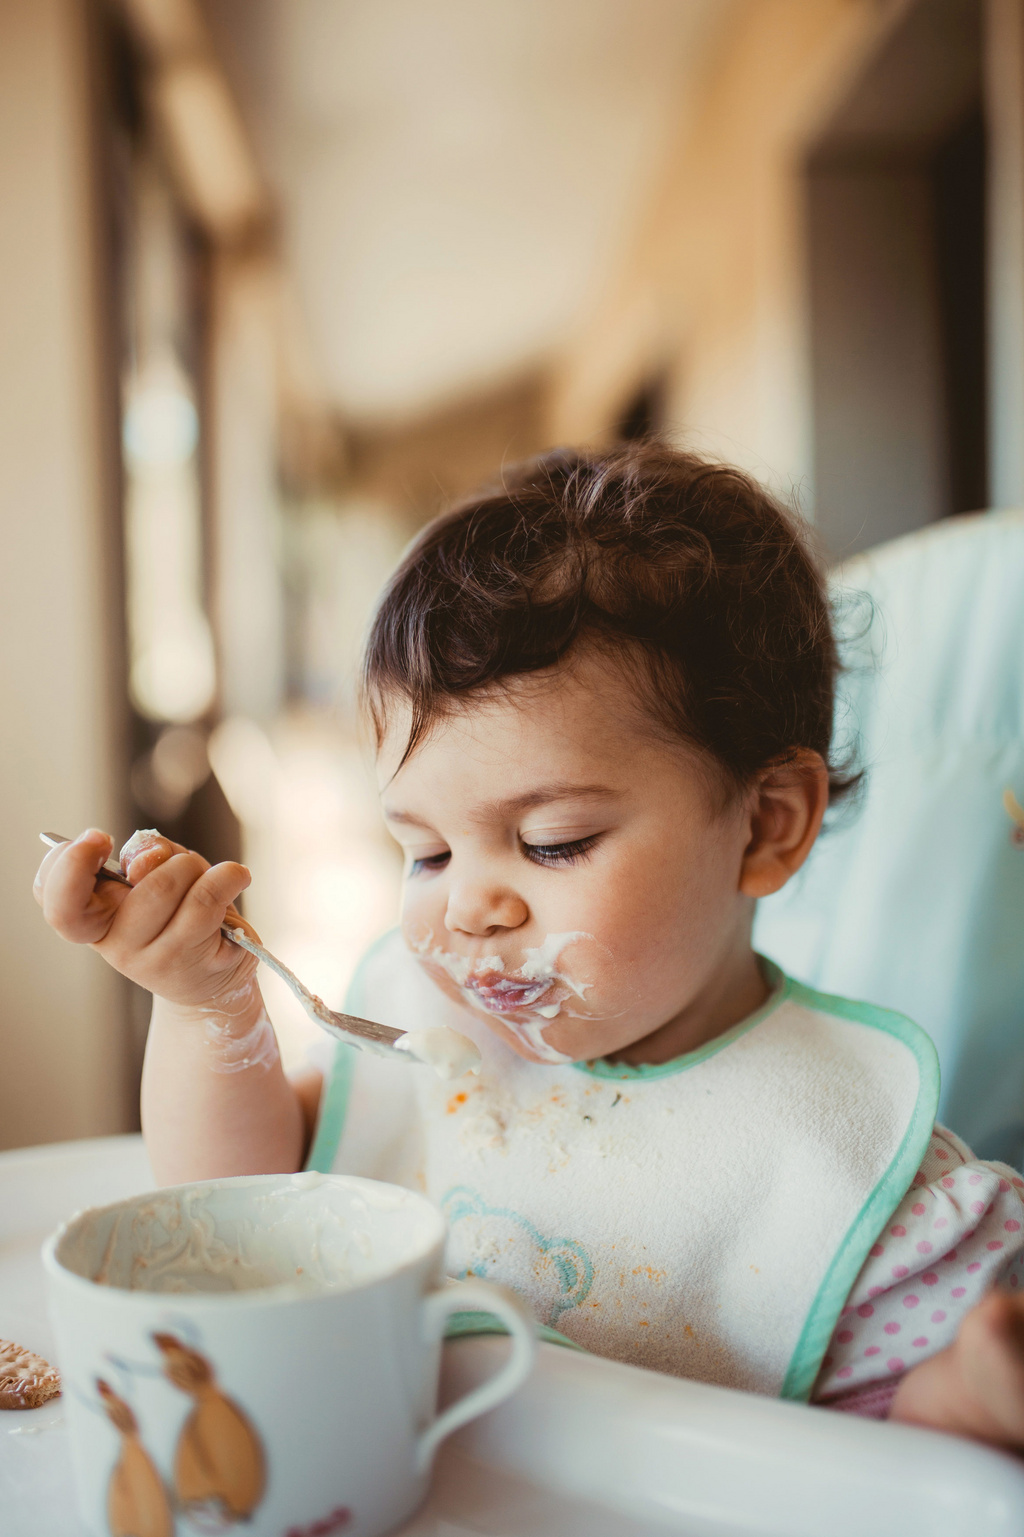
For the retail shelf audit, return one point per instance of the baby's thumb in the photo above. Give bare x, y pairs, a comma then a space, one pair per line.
234, 920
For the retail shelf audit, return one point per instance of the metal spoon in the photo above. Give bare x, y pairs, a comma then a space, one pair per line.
364, 1033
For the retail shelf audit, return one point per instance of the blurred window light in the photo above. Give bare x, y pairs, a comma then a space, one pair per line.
164, 779
172, 671
207, 143
173, 679
247, 770
170, 28
180, 759
161, 427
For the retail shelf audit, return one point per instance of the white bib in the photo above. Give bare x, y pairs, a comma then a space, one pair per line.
706, 1217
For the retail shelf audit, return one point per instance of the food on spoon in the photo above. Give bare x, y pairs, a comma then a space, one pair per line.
26, 1380
144, 838
141, 839
450, 1054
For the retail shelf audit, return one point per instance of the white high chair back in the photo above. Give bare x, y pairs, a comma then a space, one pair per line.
915, 900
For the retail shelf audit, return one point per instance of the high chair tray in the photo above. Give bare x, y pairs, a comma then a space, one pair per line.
588, 1448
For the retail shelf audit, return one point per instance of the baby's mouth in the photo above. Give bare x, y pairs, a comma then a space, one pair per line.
504, 995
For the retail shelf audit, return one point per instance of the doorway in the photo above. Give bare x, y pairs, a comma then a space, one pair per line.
896, 256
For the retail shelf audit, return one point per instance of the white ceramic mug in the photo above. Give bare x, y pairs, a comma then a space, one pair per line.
261, 1355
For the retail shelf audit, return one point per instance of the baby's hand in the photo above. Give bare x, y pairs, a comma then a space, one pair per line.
976, 1386
164, 931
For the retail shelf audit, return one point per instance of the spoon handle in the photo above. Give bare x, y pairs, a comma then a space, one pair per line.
360, 1032
345, 1027
111, 871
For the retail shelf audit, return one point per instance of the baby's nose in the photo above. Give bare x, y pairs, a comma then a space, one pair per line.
480, 910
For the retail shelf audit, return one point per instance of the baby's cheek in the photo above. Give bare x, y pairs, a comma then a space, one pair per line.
620, 913
578, 959
416, 931
426, 943
441, 979
637, 978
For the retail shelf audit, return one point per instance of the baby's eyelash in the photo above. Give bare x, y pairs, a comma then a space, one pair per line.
538, 853
560, 853
430, 863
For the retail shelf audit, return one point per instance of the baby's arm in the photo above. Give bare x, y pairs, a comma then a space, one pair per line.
932, 1331
215, 1100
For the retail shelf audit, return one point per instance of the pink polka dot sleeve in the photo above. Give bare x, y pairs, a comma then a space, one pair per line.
958, 1231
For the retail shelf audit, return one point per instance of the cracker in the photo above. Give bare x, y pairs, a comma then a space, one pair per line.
26, 1380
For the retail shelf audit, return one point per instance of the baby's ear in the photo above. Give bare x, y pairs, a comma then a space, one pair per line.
790, 801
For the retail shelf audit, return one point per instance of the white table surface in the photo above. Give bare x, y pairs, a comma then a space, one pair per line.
588, 1448
39, 1187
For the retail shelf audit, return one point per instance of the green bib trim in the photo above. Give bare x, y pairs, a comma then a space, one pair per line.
781, 989
849, 1258
460, 1325
338, 1083
333, 1109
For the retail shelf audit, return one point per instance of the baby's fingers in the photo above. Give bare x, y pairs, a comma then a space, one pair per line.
152, 905
992, 1344
43, 873
234, 920
145, 851
207, 904
66, 889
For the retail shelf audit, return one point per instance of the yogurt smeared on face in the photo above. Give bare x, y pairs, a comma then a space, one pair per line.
538, 987
532, 1035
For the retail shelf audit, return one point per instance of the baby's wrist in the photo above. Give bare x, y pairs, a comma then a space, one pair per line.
235, 1004
233, 1028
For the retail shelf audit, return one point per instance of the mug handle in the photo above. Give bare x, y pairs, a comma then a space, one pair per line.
486, 1297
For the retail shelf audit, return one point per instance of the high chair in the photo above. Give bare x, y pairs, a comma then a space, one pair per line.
914, 898
587, 1448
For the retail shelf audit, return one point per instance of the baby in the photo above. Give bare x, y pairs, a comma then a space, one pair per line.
602, 698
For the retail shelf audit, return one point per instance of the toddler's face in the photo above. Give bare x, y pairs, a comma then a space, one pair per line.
567, 875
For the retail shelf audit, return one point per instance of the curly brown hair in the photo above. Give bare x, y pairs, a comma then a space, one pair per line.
687, 570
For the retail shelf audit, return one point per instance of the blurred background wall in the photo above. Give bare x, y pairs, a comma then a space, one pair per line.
278, 280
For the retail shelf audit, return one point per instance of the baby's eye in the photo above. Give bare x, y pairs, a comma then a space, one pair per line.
560, 853
429, 863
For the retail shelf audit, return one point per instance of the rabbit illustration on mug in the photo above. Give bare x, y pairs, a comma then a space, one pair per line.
137, 1503
219, 1466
